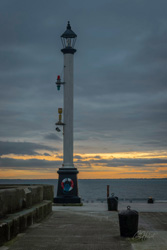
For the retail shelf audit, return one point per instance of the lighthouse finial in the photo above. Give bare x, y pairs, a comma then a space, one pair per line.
68, 25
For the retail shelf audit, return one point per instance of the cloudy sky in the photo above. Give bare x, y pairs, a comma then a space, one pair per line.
120, 87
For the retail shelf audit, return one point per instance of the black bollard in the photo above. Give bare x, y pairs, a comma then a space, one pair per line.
150, 200
112, 203
128, 222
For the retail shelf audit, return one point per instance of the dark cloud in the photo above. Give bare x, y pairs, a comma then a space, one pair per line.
78, 157
46, 154
97, 157
132, 162
123, 162
52, 136
22, 148
36, 164
120, 74
33, 164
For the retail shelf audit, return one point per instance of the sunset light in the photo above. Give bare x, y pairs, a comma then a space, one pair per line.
91, 166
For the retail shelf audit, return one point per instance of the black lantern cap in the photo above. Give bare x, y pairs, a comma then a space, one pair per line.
69, 33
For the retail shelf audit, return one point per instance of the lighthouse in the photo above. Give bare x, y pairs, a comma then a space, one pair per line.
67, 190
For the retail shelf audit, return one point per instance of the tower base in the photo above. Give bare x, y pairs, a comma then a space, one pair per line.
67, 191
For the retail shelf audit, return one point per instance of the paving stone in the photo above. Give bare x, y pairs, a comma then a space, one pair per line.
67, 230
92, 227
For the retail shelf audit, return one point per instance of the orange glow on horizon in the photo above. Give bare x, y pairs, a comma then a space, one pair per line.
26, 174
118, 155
90, 166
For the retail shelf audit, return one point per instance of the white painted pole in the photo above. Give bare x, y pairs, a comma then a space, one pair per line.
68, 111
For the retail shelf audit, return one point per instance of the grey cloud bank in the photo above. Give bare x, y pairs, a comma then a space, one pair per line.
34, 164
120, 74
22, 148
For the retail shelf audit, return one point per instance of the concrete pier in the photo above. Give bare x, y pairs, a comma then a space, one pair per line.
21, 206
93, 227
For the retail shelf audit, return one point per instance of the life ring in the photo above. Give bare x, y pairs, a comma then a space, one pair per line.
67, 184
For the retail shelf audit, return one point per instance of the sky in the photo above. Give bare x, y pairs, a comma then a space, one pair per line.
120, 88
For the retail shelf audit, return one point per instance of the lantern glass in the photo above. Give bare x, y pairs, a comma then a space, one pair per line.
68, 42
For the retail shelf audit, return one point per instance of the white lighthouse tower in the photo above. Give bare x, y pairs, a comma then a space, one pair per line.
67, 191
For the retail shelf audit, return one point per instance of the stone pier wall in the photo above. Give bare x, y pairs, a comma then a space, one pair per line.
22, 206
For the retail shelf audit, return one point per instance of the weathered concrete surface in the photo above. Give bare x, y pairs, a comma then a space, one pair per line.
92, 227
68, 230
48, 192
18, 222
144, 206
153, 232
17, 197
11, 200
22, 206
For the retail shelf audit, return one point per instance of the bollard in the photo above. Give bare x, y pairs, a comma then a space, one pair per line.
150, 200
112, 203
108, 190
128, 222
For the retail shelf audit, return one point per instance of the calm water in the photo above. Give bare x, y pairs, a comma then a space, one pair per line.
92, 190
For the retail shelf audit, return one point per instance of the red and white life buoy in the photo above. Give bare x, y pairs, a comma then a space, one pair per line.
67, 184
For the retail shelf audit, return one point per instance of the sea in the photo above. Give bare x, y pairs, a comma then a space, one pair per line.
95, 190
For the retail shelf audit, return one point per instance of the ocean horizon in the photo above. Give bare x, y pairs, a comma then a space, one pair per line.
95, 190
